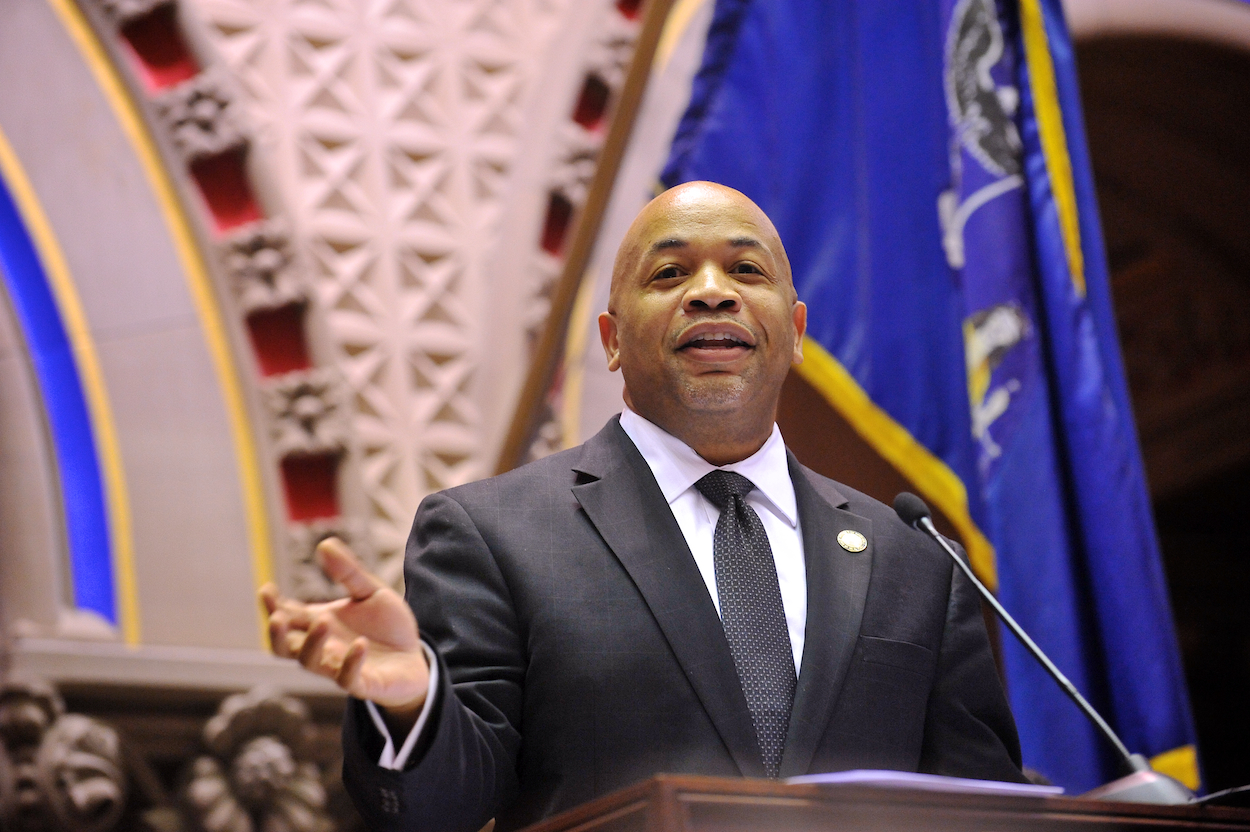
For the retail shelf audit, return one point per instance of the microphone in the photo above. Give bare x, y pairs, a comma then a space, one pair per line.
1143, 784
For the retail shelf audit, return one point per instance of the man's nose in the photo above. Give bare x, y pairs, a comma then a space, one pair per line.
712, 289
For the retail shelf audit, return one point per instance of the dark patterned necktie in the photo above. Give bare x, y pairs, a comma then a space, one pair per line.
751, 612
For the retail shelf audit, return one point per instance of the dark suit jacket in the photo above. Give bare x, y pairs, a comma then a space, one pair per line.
579, 650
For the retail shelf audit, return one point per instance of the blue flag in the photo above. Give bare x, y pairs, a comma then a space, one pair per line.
926, 168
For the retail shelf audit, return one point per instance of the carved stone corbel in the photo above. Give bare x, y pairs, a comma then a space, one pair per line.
122, 12
80, 771
308, 411
201, 116
65, 771
577, 158
27, 711
257, 776
577, 155
8, 789
261, 268
610, 55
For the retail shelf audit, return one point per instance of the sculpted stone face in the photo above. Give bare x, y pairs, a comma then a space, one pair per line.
703, 320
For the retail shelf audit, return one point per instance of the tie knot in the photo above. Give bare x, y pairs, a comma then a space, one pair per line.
720, 486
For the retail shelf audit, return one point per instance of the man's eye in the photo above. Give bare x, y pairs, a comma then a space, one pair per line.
668, 273
747, 268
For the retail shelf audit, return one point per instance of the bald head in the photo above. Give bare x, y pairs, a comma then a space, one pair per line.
703, 320
668, 220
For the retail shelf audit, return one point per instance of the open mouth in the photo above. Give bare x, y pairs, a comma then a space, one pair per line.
716, 343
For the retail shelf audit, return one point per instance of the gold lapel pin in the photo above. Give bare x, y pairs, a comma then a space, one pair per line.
852, 541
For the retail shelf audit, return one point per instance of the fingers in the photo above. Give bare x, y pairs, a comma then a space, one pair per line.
349, 672
324, 653
269, 597
342, 566
279, 626
287, 619
311, 652
278, 621
295, 642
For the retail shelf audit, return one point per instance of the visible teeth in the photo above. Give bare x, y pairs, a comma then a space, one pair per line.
717, 336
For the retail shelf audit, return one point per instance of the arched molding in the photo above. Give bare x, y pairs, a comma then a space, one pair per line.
107, 244
1225, 22
422, 146
31, 525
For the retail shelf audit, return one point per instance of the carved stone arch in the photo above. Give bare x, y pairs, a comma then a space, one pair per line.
29, 496
434, 153
297, 405
1209, 21
94, 204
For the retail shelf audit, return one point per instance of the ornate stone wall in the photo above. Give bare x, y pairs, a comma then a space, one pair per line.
423, 147
260, 760
314, 250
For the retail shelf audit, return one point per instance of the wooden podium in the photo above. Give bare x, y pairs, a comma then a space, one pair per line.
669, 803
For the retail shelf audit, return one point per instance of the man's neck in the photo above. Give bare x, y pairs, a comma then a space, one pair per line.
718, 450
676, 466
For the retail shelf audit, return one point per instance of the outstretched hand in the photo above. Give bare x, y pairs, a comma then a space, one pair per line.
367, 642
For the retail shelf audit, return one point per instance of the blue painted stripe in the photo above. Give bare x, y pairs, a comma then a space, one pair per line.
82, 488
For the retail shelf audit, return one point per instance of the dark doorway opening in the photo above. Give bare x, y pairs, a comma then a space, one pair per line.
1169, 134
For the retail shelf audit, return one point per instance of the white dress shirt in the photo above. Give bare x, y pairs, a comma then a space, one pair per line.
390, 758
677, 468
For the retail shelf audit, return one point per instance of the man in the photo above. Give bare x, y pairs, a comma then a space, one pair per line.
678, 594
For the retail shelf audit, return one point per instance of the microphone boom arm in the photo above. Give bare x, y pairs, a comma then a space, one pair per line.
1142, 784
1133, 762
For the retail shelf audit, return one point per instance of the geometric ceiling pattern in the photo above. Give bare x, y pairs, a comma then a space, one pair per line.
393, 129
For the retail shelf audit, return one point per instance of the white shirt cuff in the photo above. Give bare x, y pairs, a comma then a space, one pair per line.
390, 759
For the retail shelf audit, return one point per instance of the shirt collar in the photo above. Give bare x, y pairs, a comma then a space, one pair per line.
677, 467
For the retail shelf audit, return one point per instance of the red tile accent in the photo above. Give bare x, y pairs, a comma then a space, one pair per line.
278, 339
222, 180
629, 8
311, 486
592, 103
556, 226
160, 53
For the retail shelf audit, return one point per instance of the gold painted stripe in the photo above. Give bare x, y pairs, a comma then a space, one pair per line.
1180, 763
103, 427
1054, 139
930, 475
199, 283
678, 20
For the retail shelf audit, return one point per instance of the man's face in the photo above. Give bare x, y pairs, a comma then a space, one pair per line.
703, 317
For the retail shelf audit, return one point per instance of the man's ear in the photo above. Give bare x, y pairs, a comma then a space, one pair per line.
611, 345
800, 329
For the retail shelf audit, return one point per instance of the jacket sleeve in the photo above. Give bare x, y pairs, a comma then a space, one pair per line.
969, 729
463, 770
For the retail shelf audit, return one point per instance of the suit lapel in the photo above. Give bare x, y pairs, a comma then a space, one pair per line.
623, 501
837, 586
